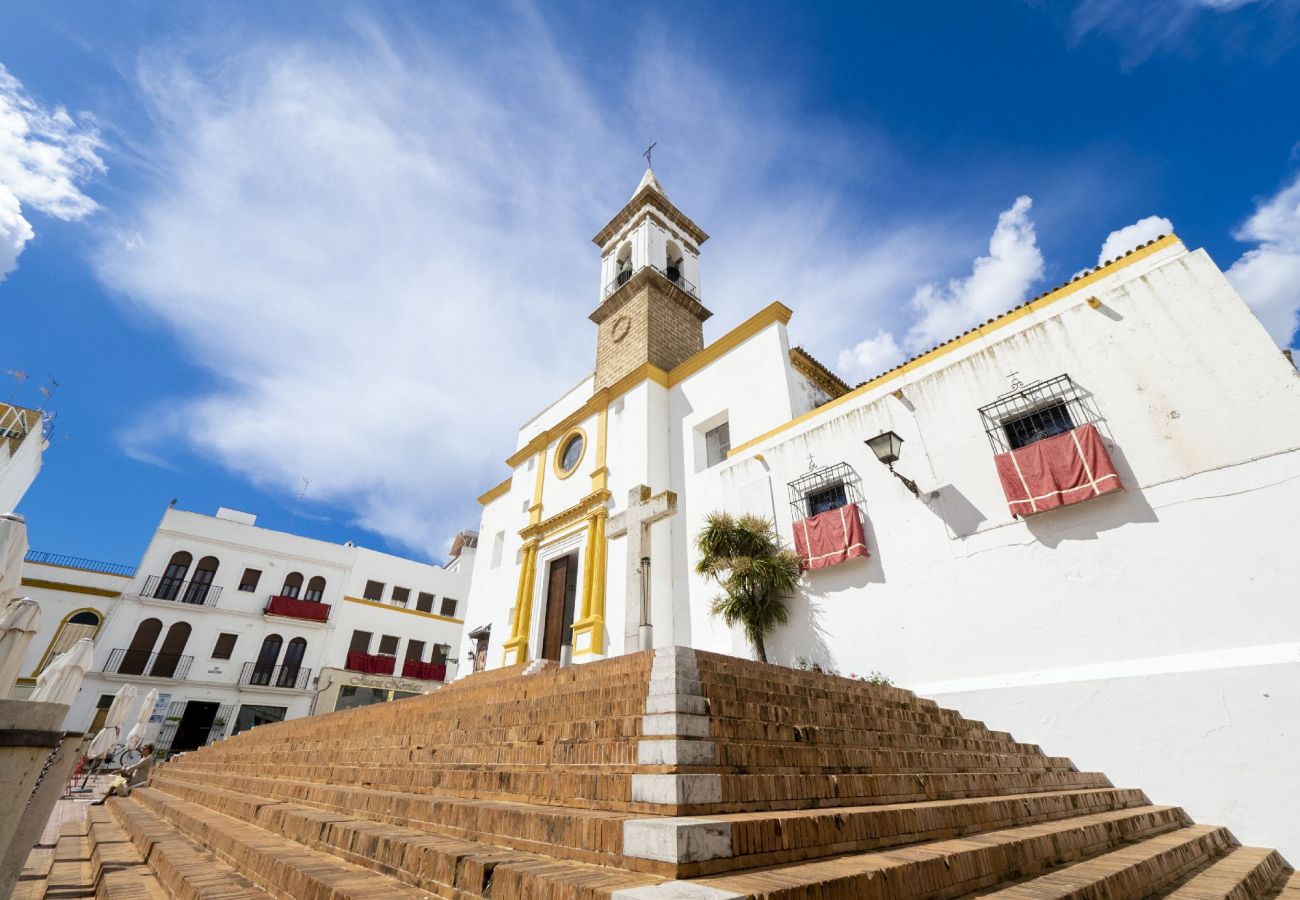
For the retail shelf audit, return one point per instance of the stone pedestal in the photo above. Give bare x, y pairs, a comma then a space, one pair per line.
36, 758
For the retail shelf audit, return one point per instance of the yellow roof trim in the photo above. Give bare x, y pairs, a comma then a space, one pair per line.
493, 493
70, 588
974, 334
403, 609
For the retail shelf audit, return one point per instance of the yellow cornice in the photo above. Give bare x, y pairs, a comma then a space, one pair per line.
403, 609
773, 312
493, 493
70, 588
974, 334
565, 517
806, 365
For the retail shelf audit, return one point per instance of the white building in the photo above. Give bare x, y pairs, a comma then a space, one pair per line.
22, 443
1156, 622
238, 625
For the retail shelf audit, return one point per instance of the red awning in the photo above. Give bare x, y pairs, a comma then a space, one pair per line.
371, 663
830, 538
413, 668
298, 609
1057, 471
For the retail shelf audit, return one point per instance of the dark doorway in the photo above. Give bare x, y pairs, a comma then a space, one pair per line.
561, 591
195, 723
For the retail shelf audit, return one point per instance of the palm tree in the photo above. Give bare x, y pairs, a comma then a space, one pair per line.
743, 554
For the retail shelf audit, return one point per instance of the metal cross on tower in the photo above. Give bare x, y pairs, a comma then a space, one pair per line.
649, 150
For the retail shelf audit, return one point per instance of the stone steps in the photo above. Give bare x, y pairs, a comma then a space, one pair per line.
306, 853
1289, 886
72, 874
973, 865
1241, 874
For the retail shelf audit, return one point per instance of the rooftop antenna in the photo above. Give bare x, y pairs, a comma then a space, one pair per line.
648, 151
302, 491
21, 377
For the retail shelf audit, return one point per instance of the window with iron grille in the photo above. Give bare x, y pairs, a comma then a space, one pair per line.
401, 595
823, 489
1029, 414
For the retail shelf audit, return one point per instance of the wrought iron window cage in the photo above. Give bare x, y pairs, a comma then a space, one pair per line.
1040, 410
823, 488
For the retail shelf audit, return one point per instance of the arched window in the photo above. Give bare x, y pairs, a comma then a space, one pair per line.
84, 623
169, 654
169, 584
292, 665
137, 654
266, 659
623, 265
201, 582
673, 262
315, 589
292, 585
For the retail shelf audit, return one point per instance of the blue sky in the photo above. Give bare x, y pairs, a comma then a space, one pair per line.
318, 261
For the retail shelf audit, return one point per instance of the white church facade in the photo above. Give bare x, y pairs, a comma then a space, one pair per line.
1084, 538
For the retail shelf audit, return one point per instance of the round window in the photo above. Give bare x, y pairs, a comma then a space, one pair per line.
571, 454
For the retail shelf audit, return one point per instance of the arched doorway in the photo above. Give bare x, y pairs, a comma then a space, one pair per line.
169, 654
292, 665
169, 585
292, 585
201, 582
138, 652
266, 660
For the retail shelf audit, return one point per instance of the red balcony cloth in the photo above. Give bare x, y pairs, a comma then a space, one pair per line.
298, 609
1057, 471
830, 538
371, 663
413, 668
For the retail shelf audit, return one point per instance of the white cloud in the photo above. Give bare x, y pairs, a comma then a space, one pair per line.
1122, 240
382, 254
996, 283
15, 231
870, 357
1143, 30
45, 156
1267, 276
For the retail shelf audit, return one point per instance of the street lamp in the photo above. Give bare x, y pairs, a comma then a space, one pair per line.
888, 446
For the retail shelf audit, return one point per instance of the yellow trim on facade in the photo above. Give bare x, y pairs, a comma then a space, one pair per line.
403, 609
600, 475
552, 540
515, 648
71, 588
535, 511
560, 473
566, 517
49, 648
493, 493
591, 621
974, 334
775, 311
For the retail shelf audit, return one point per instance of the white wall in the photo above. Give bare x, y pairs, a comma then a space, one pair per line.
1018, 621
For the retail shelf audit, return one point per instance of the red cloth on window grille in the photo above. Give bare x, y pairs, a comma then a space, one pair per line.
413, 668
371, 663
830, 538
298, 609
1057, 471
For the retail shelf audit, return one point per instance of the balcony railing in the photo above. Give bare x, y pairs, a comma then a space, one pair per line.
196, 593
292, 677
296, 608
371, 663
125, 661
427, 671
77, 562
672, 274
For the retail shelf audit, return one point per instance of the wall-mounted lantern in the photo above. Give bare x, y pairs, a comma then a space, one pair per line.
888, 446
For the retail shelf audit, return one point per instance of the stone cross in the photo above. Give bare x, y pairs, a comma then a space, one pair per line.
642, 511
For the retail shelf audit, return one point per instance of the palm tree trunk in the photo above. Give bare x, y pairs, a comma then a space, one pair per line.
760, 648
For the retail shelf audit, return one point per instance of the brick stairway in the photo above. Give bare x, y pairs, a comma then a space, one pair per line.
654, 775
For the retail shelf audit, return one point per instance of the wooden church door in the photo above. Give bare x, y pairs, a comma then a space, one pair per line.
561, 592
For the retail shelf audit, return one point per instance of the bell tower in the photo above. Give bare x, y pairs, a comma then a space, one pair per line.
650, 309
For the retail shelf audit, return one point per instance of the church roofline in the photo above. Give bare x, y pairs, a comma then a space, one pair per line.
1043, 300
649, 195
807, 365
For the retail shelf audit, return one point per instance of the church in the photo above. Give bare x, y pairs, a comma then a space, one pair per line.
1067, 520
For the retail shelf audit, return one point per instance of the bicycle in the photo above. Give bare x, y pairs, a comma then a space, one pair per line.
119, 758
